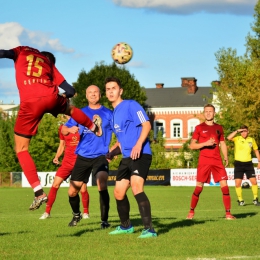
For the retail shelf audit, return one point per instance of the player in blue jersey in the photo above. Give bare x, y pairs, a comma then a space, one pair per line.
91, 151
131, 125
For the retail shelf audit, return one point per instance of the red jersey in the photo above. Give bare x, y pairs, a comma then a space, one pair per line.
71, 142
202, 133
35, 75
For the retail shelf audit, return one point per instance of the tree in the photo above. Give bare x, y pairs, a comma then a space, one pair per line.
97, 76
159, 155
8, 159
237, 95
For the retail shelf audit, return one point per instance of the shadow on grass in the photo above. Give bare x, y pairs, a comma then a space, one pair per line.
165, 228
9, 233
245, 215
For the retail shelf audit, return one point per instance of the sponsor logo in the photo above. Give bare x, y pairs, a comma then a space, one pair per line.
204, 131
136, 171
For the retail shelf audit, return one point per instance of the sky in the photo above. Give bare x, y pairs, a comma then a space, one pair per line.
170, 39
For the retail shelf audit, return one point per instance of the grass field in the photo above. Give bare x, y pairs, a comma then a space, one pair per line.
208, 236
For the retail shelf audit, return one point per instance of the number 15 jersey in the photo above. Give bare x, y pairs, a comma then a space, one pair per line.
35, 75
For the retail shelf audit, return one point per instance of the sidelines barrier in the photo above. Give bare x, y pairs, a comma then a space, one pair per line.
187, 177
173, 177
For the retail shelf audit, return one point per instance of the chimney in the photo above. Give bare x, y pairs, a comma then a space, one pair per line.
190, 83
159, 85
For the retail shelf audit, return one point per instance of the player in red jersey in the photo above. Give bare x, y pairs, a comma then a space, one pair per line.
207, 137
37, 80
68, 144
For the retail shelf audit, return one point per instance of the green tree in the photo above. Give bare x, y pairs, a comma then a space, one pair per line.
187, 158
160, 160
97, 76
8, 159
237, 95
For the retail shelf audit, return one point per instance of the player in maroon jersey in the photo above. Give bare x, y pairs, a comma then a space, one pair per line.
37, 80
207, 137
68, 144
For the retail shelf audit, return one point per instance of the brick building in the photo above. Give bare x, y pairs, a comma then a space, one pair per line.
177, 110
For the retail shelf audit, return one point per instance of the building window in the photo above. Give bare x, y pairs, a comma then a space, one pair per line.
159, 125
192, 123
176, 128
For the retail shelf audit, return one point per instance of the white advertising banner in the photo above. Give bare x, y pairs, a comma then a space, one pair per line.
187, 177
47, 179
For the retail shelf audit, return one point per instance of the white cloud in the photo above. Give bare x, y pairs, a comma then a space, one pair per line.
9, 92
12, 34
238, 7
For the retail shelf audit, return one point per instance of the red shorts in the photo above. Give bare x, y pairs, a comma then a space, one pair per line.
31, 112
204, 172
66, 167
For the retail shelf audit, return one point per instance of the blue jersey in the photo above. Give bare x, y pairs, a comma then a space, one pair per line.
90, 145
127, 122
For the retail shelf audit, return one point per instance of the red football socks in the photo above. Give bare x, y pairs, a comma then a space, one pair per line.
226, 197
51, 199
85, 201
82, 119
29, 169
195, 197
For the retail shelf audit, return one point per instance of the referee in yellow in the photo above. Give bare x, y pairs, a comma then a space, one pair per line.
243, 162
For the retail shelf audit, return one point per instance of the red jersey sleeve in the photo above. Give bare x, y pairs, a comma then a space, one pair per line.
221, 137
196, 134
58, 78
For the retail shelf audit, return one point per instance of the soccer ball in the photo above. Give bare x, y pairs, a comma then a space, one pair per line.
122, 53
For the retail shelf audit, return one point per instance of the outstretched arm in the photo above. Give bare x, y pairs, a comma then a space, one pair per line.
69, 90
9, 54
69, 130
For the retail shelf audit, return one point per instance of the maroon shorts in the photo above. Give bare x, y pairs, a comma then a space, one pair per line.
204, 172
66, 167
31, 112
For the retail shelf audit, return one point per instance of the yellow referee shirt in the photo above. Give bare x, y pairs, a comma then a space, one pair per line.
243, 148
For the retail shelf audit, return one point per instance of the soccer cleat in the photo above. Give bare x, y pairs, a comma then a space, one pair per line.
190, 215
120, 230
98, 122
241, 203
146, 233
45, 215
256, 203
85, 215
230, 217
76, 218
104, 224
37, 202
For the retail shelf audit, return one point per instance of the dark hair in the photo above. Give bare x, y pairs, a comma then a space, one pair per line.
113, 79
209, 105
50, 56
244, 127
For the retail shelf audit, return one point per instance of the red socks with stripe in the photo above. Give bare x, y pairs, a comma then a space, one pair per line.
226, 198
29, 169
195, 198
